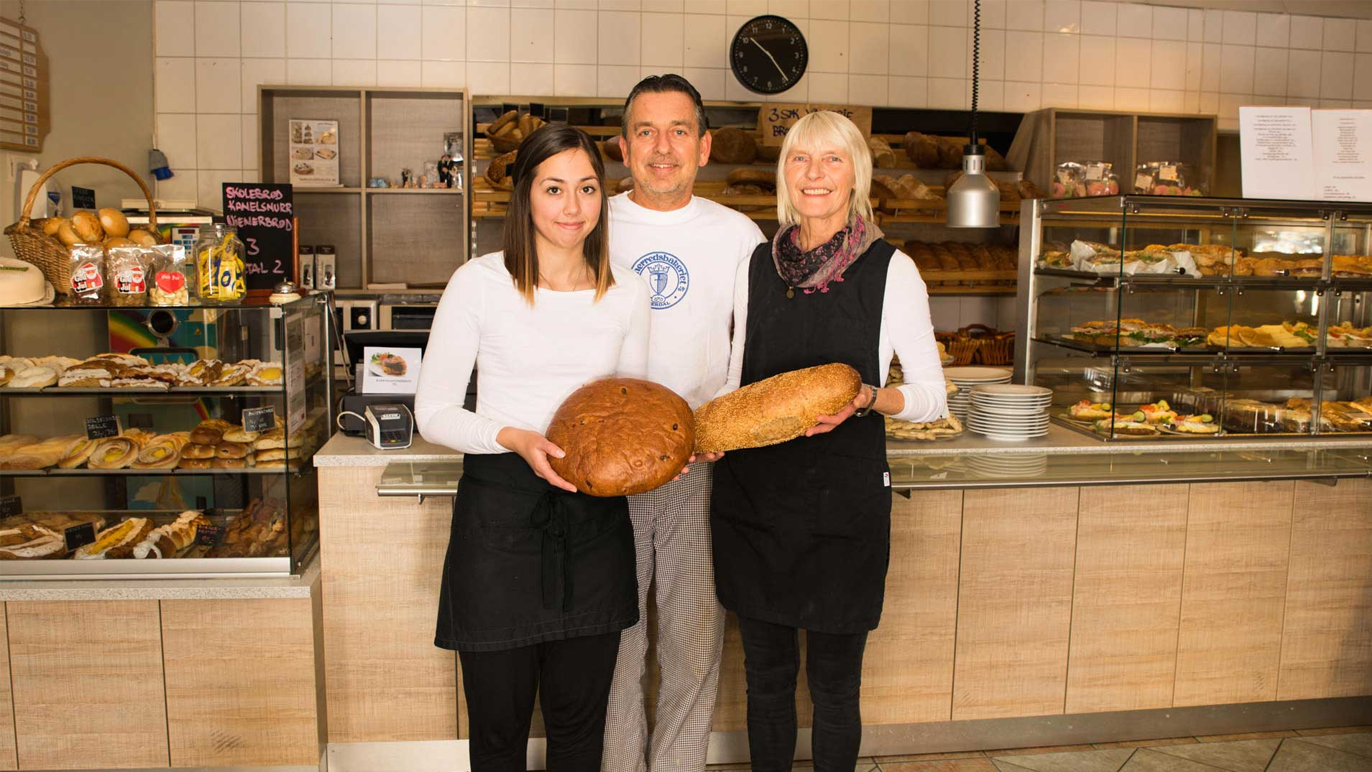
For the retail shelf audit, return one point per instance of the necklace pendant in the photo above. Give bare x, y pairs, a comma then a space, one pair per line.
790, 292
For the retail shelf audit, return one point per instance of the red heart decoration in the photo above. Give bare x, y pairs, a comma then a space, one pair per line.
170, 281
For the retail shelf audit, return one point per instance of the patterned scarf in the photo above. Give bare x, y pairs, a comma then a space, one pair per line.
814, 270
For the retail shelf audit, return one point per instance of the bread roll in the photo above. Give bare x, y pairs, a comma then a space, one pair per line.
882, 155
114, 222
612, 150
733, 146
776, 409
621, 436
87, 227
922, 149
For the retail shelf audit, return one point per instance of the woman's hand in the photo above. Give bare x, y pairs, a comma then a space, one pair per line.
534, 448
708, 458
827, 423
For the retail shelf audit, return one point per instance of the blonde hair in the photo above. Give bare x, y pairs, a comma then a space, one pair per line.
814, 132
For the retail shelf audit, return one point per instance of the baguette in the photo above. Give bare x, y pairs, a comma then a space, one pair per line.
776, 409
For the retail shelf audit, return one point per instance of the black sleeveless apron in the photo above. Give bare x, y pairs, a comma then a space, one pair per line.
802, 530
528, 562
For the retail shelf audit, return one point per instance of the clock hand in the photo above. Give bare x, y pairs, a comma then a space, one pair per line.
784, 79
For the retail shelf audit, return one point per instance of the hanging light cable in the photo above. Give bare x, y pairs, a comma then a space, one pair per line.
974, 200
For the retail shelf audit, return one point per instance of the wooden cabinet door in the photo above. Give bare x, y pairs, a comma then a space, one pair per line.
382, 564
1238, 539
88, 688
240, 682
1127, 599
907, 670
1015, 602
8, 757
1327, 642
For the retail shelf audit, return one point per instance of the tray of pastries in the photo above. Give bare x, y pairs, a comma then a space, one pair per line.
128, 371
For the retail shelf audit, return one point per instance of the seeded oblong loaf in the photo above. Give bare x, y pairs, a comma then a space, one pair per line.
775, 409
622, 436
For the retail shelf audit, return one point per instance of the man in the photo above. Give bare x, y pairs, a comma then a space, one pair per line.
687, 250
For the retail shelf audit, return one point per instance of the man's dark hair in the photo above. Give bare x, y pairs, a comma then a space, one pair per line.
665, 84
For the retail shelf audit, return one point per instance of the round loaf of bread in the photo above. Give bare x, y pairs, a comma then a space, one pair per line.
621, 436
776, 409
733, 146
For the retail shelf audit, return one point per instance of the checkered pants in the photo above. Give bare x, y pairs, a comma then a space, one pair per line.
672, 537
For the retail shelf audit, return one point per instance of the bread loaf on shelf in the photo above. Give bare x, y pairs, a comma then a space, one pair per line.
776, 409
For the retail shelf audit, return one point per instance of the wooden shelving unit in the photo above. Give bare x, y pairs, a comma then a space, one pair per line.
381, 235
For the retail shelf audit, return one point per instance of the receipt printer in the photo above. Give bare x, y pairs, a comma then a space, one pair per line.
387, 425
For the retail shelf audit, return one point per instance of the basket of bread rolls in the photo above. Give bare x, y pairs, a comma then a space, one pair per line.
46, 242
507, 131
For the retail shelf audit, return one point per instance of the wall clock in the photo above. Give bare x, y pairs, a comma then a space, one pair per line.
768, 54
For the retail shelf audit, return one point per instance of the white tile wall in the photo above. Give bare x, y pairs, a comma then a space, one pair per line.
1101, 54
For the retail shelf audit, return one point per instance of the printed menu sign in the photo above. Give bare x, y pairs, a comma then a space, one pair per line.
264, 215
775, 120
1343, 154
313, 153
23, 88
1304, 154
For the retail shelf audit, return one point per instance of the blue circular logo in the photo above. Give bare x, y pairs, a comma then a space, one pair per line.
667, 278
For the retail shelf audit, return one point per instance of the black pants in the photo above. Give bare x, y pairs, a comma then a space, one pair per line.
572, 679
833, 667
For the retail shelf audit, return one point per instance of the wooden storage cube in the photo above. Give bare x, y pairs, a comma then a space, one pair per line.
415, 238
333, 218
406, 130
278, 108
1167, 138
1095, 137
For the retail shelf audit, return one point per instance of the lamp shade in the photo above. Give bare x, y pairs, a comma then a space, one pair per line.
974, 200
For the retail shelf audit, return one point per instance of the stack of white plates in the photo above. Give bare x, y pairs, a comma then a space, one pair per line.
966, 378
994, 465
1008, 411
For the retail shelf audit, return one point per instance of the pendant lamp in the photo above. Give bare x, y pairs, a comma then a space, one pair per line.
974, 200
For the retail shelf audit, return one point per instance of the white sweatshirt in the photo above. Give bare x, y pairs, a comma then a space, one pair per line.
906, 329
688, 258
528, 359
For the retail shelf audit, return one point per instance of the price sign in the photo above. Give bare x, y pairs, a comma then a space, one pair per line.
11, 506
23, 88
259, 419
82, 198
79, 536
101, 426
775, 120
264, 214
209, 535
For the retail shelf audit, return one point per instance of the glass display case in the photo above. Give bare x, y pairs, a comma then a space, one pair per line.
161, 441
1173, 316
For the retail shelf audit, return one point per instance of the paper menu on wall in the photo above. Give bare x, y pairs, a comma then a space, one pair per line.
313, 153
1303, 154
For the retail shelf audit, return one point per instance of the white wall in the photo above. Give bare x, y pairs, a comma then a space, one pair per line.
212, 54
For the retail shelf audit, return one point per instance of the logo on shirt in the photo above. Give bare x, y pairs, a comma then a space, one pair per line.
667, 278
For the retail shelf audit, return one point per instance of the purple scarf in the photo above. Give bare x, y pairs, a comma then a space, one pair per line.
814, 270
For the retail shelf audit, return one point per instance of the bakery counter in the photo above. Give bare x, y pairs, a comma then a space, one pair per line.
1045, 593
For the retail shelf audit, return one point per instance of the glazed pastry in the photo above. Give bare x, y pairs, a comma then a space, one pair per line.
6, 375
31, 542
231, 450
33, 378
266, 374
87, 376
239, 434
138, 383
41, 455
77, 453
229, 463
206, 435
197, 450
113, 453
193, 463
167, 540
117, 541
231, 375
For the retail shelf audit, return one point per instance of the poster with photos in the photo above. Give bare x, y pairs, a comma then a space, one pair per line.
313, 154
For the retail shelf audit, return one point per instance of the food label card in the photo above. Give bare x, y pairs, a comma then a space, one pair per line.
390, 370
313, 154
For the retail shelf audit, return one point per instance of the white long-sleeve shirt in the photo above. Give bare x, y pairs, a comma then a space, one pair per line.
906, 329
688, 258
528, 359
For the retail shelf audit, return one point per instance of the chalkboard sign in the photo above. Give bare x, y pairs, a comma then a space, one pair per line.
82, 198
209, 535
259, 419
101, 426
79, 536
11, 506
264, 214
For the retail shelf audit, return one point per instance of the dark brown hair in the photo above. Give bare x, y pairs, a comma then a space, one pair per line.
666, 84
521, 255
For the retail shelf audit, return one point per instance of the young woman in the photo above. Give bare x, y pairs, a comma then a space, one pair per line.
801, 530
539, 580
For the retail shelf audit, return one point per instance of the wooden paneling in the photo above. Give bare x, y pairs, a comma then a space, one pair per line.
1237, 542
907, 670
1327, 643
1127, 598
382, 564
87, 680
8, 757
1015, 602
240, 682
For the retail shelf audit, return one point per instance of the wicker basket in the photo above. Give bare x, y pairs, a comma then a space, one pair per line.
52, 258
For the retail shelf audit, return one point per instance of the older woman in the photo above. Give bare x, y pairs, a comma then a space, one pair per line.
801, 530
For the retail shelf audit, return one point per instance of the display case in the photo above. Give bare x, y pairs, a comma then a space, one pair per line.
161, 441
1165, 316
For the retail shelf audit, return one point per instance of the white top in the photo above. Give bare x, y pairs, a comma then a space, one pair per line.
528, 360
906, 329
688, 258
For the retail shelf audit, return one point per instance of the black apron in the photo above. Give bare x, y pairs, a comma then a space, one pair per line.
529, 563
802, 530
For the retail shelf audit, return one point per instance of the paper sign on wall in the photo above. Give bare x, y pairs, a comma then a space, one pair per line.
1304, 154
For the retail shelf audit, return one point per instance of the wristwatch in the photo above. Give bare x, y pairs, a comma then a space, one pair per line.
861, 412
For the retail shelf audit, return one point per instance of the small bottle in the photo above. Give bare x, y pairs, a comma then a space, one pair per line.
219, 270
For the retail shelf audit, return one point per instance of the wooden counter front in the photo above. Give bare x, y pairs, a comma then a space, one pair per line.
999, 604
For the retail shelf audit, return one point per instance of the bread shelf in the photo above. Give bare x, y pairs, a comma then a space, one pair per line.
56, 391
255, 470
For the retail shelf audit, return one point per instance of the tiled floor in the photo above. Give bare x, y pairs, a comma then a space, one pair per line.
1347, 749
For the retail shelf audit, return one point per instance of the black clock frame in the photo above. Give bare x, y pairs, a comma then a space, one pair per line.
742, 57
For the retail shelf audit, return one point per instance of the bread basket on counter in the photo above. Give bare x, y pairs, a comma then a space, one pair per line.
52, 258
980, 344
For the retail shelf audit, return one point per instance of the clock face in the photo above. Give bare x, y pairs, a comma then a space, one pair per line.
768, 55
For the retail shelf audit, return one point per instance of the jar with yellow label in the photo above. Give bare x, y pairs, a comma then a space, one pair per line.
219, 269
